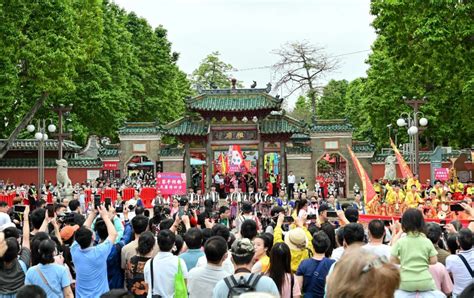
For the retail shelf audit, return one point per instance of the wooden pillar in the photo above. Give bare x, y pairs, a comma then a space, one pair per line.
187, 164
283, 162
209, 159
261, 156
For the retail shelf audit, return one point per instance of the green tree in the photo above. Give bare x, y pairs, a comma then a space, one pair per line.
212, 73
423, 48
331, 104
355, 109
40, 46
302, 109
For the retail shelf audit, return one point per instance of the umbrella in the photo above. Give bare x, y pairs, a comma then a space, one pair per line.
197, 162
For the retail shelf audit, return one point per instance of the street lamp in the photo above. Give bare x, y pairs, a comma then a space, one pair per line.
41, 136
415, 125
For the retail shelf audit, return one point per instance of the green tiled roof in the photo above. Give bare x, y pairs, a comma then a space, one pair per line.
300, 137
234, 102
280, 124
109, 151
298, 150
50, 163
171, 152
187, 126
333, 125
363, 147
49, 145
139, 128
425, 156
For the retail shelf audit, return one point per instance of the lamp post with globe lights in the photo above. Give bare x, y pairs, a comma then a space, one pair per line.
415, 123
41, 136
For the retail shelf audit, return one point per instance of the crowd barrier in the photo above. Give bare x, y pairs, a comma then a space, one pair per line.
128, 193
369, 217
8, 198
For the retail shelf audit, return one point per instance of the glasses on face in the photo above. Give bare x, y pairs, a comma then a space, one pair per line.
375, 263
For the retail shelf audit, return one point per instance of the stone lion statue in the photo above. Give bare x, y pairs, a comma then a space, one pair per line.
61, 174
390, 170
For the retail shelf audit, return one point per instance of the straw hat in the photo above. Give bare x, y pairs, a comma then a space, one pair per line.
296, 239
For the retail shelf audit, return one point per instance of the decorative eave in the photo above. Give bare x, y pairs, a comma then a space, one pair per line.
280, 124
140, 128
164, 152
49, 145
109, 151
234, 100
50, 163
300, 137
362, 147
331, 126
187, 126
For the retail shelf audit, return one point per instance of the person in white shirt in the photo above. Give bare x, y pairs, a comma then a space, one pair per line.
376, 237
461, 266
201, 280
165, 267
213, 195
291, 184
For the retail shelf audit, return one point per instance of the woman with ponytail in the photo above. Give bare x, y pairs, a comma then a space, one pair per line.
51, 277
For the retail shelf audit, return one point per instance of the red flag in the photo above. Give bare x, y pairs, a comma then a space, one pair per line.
367, 187
404, 168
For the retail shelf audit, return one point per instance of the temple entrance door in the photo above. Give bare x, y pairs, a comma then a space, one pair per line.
332, 175
140, 167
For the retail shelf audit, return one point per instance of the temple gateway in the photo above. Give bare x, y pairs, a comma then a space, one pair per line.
218, 122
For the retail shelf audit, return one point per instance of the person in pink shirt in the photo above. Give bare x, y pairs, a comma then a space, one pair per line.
441, 278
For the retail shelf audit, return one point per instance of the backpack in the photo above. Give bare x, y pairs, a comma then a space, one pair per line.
236, 288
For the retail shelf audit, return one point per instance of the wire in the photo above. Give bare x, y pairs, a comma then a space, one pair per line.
270, 66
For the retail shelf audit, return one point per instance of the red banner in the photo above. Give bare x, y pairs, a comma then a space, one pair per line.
147, 194
171, 183
367, 187
110, 165
404, 168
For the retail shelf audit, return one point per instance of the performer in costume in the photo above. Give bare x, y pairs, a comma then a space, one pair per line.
413, 198
395, 200
358, 204
213, 195
413, 181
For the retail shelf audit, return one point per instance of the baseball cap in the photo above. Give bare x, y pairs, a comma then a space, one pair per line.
68, 231
242, 248
323, 207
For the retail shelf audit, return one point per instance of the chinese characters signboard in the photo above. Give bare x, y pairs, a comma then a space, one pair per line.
171, 183
441, 174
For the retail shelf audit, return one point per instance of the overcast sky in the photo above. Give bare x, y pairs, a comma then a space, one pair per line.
246, 31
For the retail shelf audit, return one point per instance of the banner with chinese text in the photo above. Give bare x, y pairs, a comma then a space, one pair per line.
171, 183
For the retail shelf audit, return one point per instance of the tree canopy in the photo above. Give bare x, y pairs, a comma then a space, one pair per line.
423, 49
112, 65
212, 73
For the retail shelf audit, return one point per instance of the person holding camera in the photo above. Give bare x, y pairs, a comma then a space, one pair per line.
90, 260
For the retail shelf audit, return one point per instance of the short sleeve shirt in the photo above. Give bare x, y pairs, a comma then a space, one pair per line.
414, 263
314, 278
56, 276
265, 284
91, 269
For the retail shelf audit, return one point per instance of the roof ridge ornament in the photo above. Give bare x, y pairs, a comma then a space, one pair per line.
269, 87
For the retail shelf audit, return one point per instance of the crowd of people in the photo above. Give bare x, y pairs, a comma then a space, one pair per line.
291, 244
